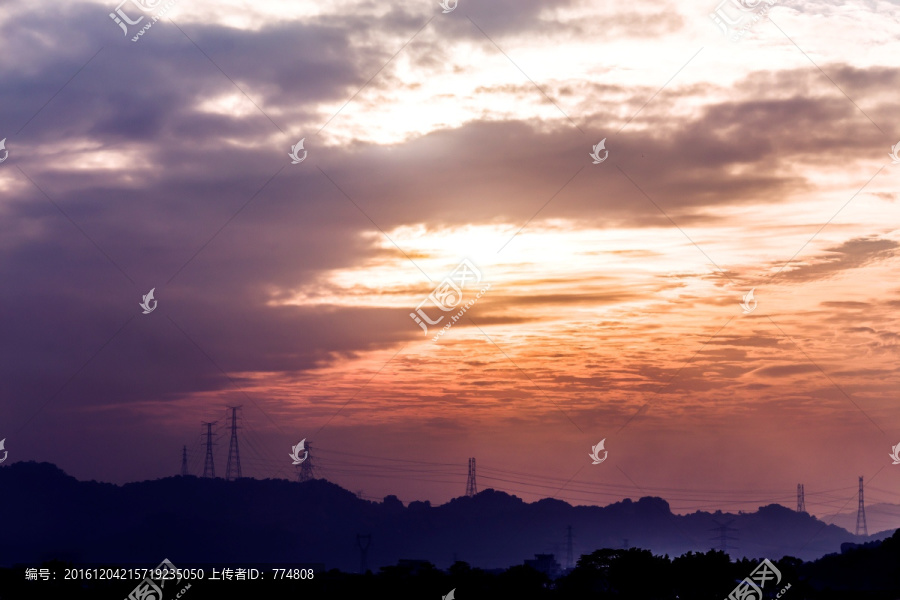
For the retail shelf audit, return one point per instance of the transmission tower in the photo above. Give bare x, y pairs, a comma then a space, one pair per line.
861, 512
209, 468
184, 467
801, 499
723, 536
471, 490
306, 471
363, 542
569, 564
233, 466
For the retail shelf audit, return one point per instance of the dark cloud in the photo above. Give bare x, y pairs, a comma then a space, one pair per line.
852, 254
786, 370
747, 341
205, 208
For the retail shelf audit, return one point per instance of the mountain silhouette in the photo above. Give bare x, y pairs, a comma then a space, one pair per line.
880, 516
52, 516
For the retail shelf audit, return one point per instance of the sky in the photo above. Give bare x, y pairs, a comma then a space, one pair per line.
615, 289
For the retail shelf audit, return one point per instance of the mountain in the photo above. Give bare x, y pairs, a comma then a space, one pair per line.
879, 517
51, 515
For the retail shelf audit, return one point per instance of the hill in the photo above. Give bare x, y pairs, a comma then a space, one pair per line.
50, 515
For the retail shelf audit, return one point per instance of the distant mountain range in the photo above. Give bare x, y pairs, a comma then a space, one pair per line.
50, 515
879, 517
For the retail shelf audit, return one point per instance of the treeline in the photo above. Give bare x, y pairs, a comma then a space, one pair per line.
869, 572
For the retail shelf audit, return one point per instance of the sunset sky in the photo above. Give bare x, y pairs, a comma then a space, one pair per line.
615, 288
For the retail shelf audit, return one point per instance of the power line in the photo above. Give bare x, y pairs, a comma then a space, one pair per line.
413, 466
269, 461
341, 463
676, 496
386, 459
